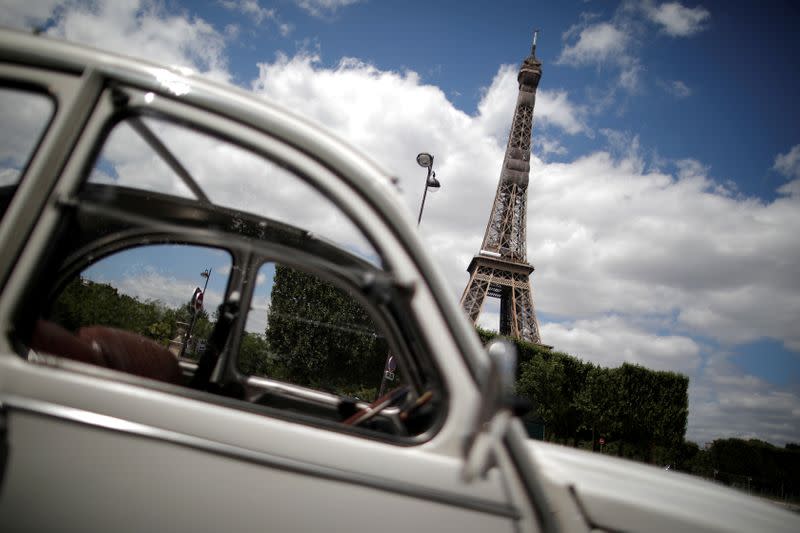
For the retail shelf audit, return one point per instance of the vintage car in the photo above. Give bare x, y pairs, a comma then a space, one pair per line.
323, 378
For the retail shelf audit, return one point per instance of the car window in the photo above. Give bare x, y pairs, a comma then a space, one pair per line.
166, 294
157, 155
307, 331
174, 231
24, 116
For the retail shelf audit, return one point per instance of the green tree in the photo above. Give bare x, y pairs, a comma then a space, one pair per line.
321, 336
598, 404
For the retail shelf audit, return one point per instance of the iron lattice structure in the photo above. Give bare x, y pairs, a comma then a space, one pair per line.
501, 270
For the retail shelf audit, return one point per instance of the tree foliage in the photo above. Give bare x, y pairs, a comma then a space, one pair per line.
640, 411
322, 337
84, 303
752, 465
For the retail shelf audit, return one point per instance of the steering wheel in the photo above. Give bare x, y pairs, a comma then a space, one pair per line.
394, 397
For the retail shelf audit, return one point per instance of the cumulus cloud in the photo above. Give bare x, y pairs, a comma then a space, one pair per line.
617, 42
788, 164
675, 19
553, 107
144, 29
613, 340
597, 43
607, 235
603, 43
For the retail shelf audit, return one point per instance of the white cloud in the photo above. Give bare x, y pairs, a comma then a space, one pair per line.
629, 76
547, 146
597, 43
24, 117
285, 29
675, 19
613, 340
604, 43
321, 8
257, 317
257, 14
553, 107
251, 8
726, 403
24, 14
788, 164
606, 235
624, 145
142, 28
617, 42
146, 284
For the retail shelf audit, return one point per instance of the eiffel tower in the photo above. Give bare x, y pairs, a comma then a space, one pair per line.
501, 270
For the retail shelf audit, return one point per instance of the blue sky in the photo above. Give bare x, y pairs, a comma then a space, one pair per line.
665, 186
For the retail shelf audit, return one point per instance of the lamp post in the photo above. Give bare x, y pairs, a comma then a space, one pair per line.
196, 307
426, 160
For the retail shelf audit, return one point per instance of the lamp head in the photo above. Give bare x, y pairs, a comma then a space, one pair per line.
425, 160
433, 183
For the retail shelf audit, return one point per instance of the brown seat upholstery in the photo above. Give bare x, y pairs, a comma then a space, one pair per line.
132, 353
49, 337
108, 347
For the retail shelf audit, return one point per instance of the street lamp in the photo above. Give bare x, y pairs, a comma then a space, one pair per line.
196, 307
426, 160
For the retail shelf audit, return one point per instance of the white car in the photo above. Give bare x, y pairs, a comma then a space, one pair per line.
323, 379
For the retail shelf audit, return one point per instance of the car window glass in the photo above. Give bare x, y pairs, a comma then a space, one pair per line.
127, 160
226, 174
24, 116
151, 291
307, 331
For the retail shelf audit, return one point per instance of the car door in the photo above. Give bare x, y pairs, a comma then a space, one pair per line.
97, 448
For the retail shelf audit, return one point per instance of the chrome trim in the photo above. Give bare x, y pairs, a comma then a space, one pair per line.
295, 391
109, 423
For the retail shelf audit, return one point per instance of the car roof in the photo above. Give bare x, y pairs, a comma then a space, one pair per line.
227, 100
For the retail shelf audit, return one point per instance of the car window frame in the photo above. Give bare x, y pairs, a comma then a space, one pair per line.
108, 114
30, 88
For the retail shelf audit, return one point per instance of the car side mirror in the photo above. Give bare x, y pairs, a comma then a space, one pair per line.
503, 357
496, 410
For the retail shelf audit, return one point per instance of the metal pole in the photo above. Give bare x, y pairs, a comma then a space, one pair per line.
424, 194
187, 335
208, 277
194, 315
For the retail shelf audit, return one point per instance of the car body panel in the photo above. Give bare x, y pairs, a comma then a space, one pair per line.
621, 495
93, 449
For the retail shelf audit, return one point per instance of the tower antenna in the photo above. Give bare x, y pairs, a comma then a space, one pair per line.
533, 47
